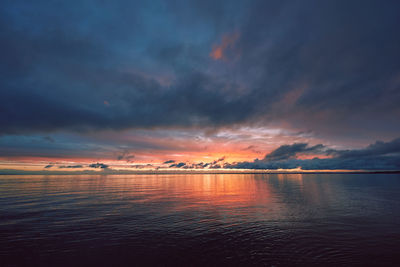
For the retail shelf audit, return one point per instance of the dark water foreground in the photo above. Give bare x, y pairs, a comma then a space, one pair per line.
181, 220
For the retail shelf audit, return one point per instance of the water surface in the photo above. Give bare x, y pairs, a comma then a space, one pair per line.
200, 219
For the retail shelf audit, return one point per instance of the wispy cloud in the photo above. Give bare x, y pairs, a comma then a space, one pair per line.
126, 155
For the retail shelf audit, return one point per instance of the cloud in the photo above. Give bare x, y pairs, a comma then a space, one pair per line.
169, 161
290, 151
126, 155
377, 156
178, 165
142, 166
215, 164
218, 160
379, 148
70, 166
99, 166
48, 166
59, 71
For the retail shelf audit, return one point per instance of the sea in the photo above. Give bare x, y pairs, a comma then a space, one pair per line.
198, 219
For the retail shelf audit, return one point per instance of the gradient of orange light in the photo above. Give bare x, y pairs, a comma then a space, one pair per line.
189, 148
193, 154
230, 190
193, 150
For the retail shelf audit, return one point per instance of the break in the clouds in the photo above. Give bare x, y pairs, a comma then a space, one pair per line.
377, 156
84, 79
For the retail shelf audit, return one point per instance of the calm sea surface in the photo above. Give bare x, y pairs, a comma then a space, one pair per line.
200, 219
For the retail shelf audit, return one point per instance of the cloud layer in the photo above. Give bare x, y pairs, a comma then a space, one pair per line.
377, 156
333, 68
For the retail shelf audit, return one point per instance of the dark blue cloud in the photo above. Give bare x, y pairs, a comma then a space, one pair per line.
379, 148
290, 151
215, 164
329, 67
378, 156
99, 165
178, 165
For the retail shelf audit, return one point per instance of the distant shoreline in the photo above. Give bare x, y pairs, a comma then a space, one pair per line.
19, 172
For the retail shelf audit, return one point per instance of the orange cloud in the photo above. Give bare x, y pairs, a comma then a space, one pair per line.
219, 50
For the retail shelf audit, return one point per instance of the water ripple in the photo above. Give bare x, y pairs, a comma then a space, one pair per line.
271, 220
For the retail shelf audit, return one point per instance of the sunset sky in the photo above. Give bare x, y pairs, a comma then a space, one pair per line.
137, 85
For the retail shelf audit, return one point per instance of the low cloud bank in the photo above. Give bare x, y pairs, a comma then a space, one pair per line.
99, 166
70, 167
377, 156
216, 164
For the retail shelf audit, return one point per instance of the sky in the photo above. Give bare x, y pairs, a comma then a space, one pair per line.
208, 84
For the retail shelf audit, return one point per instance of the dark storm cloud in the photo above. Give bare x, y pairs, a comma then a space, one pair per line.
330, 67
377, 149
290, 151
48, 166
98, 166
378, 156
169, 161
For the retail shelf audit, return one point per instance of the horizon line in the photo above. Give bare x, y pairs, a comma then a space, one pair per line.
147, 172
